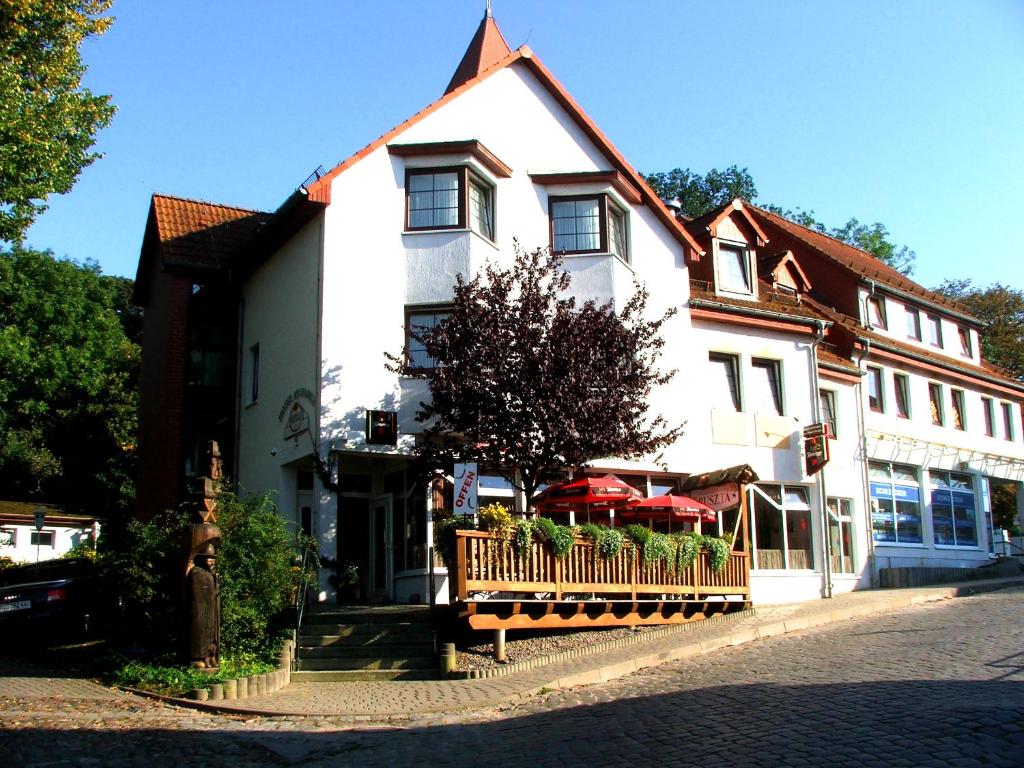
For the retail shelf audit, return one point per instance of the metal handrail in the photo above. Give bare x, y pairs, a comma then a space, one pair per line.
301, 595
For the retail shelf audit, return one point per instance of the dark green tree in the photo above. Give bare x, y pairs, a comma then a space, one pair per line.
1002, 309
533, 384
48, 121
68, 385
698, 194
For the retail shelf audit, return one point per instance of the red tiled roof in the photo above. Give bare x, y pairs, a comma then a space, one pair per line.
486, 49
858, 261
197, 233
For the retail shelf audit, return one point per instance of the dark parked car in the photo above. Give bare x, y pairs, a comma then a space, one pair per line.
66, 598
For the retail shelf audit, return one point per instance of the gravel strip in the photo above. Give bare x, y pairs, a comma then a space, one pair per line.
523, 645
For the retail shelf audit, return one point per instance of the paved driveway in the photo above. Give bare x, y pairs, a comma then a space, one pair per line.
940, 684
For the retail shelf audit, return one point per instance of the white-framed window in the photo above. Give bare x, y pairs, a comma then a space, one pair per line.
988, 407
935, 404
895, 503
954, 521
42, 538
417, 321
876, 392
734, 269
588, 224
876, 312
448, 198
901, 389
766, 386
1007, 409
913, 324
935, 331
827, 404
724, 381
966, 348
840, 534
8, 537
782, 527
254, 373
956, 397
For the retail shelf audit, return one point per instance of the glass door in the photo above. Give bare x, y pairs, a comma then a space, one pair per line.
382, 550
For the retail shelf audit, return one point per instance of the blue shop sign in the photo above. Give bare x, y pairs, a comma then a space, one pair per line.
899, 492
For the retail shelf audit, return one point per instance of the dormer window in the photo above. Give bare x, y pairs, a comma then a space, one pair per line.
965, 342
589, 224
876, 312
734, 269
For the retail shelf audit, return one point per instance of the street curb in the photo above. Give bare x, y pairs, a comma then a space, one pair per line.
741, 633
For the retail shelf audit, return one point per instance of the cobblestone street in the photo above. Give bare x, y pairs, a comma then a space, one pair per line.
940, 684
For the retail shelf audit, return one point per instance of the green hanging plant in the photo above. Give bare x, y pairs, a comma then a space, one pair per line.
659, 547
558, 537
688, 548
522, 538
718, 552
592, 532
610, 543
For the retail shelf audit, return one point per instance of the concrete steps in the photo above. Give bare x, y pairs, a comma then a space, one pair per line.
366, 643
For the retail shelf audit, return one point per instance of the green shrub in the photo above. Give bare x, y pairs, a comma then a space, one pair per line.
179, 680
610, 543
558, 537
590, 531
688, 548
659, 547
444, 537
637, 534
718, 552
523, 537
496, 519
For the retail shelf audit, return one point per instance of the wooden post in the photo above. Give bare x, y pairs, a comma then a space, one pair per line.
460, 566
558, 578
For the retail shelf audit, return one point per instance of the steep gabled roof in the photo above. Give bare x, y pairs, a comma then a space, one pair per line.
486, 49
193, 235
320, 190
859, 262
709, 221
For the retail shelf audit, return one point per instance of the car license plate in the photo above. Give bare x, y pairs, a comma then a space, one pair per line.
20, 605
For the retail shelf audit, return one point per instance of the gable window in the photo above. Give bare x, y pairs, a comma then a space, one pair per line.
734, 269
965, 342
827, 404
449, 198
959, 413
953, 515
1007, 420
876, 312
934, 331
935, 404
895, 503
901, 385
590, 224
875, 399
724, 381
913, 324
989, 409
417, 322
766, 386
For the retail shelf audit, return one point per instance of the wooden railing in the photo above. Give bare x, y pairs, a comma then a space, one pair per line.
484, 564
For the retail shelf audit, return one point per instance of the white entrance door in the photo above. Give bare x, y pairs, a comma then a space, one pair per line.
382, 550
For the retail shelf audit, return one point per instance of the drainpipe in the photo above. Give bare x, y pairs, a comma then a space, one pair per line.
862, 430
826, 544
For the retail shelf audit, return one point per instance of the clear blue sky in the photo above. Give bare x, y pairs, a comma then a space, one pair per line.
910, 113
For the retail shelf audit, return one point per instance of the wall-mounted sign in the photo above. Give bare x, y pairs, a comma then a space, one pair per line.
381, 427
466, 482
301, 392
297, 421
718, 497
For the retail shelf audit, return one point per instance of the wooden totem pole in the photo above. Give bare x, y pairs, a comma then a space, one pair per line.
202, 584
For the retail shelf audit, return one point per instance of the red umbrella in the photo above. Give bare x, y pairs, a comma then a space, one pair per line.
671, 508
587, 493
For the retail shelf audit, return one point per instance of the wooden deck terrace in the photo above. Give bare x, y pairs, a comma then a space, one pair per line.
494, 587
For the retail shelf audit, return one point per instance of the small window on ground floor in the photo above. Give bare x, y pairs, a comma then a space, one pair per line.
42, 538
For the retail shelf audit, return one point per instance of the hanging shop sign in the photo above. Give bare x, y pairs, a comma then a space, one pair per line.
816, 451
465, 492
382, 427
718, 497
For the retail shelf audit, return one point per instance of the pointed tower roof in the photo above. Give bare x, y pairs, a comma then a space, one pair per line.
486, 49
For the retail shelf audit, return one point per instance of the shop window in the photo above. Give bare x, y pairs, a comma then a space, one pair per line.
989, 409
418, 322
876, 312
591, 224
954, 521
766, 386
895, 504
934, 331
901, 385
724, 381
734, 269
827, 401
782, 526
876, 400
840, 534
935, 404
913, 324
959, 411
